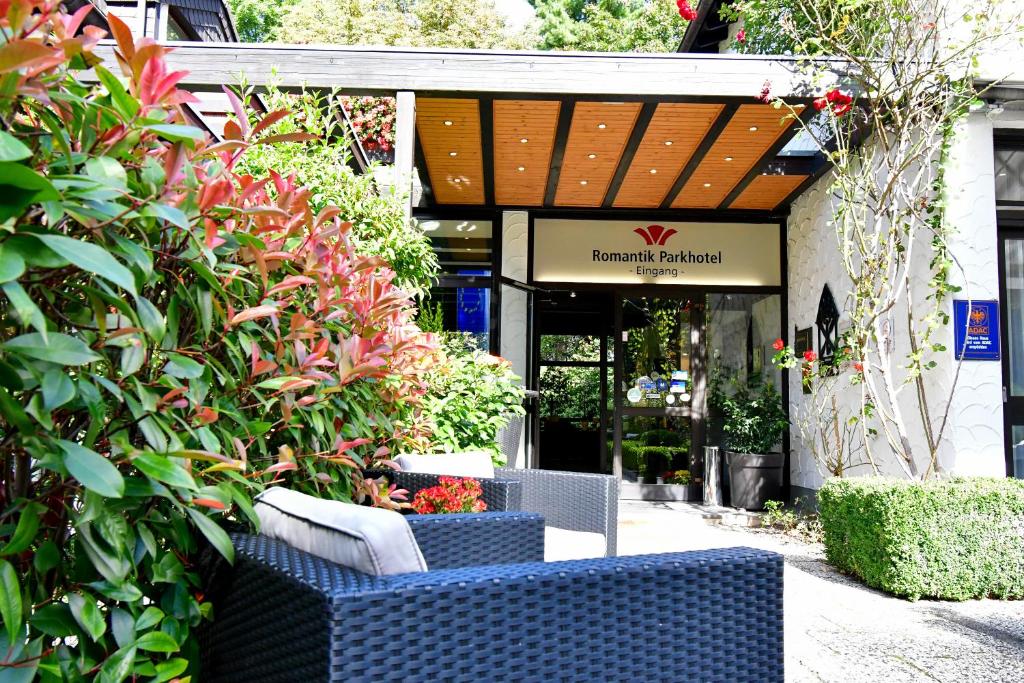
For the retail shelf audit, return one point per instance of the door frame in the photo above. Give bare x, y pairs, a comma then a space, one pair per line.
1009, 228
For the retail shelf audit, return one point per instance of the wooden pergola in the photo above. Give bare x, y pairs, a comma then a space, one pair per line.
500, 129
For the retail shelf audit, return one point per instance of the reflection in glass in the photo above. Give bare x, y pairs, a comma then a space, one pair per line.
655, 449
741, 329
656, 352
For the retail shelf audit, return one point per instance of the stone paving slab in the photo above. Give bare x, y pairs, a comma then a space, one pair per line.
836, 628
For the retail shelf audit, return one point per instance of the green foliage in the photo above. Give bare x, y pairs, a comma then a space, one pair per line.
175, 335
379, 224
470, 396
610, 25
661, 437
570, 392
776, 515
431, 317
954, 539
635, 455
762, 22
258, 21
752, 417
415, 23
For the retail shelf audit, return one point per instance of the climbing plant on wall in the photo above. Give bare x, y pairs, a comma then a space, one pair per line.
887, 127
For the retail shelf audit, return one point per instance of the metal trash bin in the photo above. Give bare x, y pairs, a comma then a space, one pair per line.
712, 476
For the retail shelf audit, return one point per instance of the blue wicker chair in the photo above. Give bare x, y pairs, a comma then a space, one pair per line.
283, 615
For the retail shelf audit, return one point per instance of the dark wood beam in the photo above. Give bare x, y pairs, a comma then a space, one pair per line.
487, 147
558, 152
643, 120
762, 164
721, 122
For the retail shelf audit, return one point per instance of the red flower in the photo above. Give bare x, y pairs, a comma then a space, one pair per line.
836, 100
778, 344
766, 93
810, 356
859, 367
685, 11
741, 36
450, 495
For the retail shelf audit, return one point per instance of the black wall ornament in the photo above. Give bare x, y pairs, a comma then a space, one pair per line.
828, 327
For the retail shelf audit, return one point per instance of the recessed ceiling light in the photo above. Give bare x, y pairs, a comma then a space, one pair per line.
448, 123
524, 140
468, 249
583, 182
753, 129
458, 180
728, 158
707, 184
668, 143
521, 169
654, 170
453, 154
591, 156
601, 126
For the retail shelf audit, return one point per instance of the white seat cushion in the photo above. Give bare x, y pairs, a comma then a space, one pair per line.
562, 544
471, 464
372, 540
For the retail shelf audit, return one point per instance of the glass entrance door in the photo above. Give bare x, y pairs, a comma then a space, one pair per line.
1013, 357
659, 389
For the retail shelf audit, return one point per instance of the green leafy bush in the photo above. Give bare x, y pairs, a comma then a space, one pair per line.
752, 417
952, 539
661, 437
379, 224
470, 396
175, 336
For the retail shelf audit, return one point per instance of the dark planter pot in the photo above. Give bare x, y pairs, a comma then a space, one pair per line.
754, 478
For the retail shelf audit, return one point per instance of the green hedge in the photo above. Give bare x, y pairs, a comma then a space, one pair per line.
635, 453
953, 539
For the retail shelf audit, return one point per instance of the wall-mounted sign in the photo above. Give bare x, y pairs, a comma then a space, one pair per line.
976, 329
638, 252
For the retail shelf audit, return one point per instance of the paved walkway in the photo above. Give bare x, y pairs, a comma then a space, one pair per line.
837, 629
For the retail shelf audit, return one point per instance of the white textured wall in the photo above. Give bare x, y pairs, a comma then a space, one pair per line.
978, 402
514, 264
973, 440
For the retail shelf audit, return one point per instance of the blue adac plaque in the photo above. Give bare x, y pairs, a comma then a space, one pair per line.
976, 329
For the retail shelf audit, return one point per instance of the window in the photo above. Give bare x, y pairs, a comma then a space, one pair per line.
461, 301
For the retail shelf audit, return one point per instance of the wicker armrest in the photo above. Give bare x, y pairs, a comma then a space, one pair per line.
571, 500
501, 495
288, 616
479, 538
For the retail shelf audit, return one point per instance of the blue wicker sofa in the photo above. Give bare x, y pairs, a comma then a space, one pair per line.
490, 610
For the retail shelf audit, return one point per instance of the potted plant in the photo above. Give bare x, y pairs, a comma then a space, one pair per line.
753, 420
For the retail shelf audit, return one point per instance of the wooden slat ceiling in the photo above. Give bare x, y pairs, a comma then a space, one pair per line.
766, 191
449, 132
524, 138
673, 135
751, 131
597, 137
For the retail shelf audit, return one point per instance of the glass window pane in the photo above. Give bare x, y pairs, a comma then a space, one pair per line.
1014, 254
655, 450
656, 352
1009, 169
570, 347
463, 247
461, 309
1018, 451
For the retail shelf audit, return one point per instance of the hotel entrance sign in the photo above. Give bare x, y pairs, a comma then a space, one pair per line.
637, 252
976, 329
